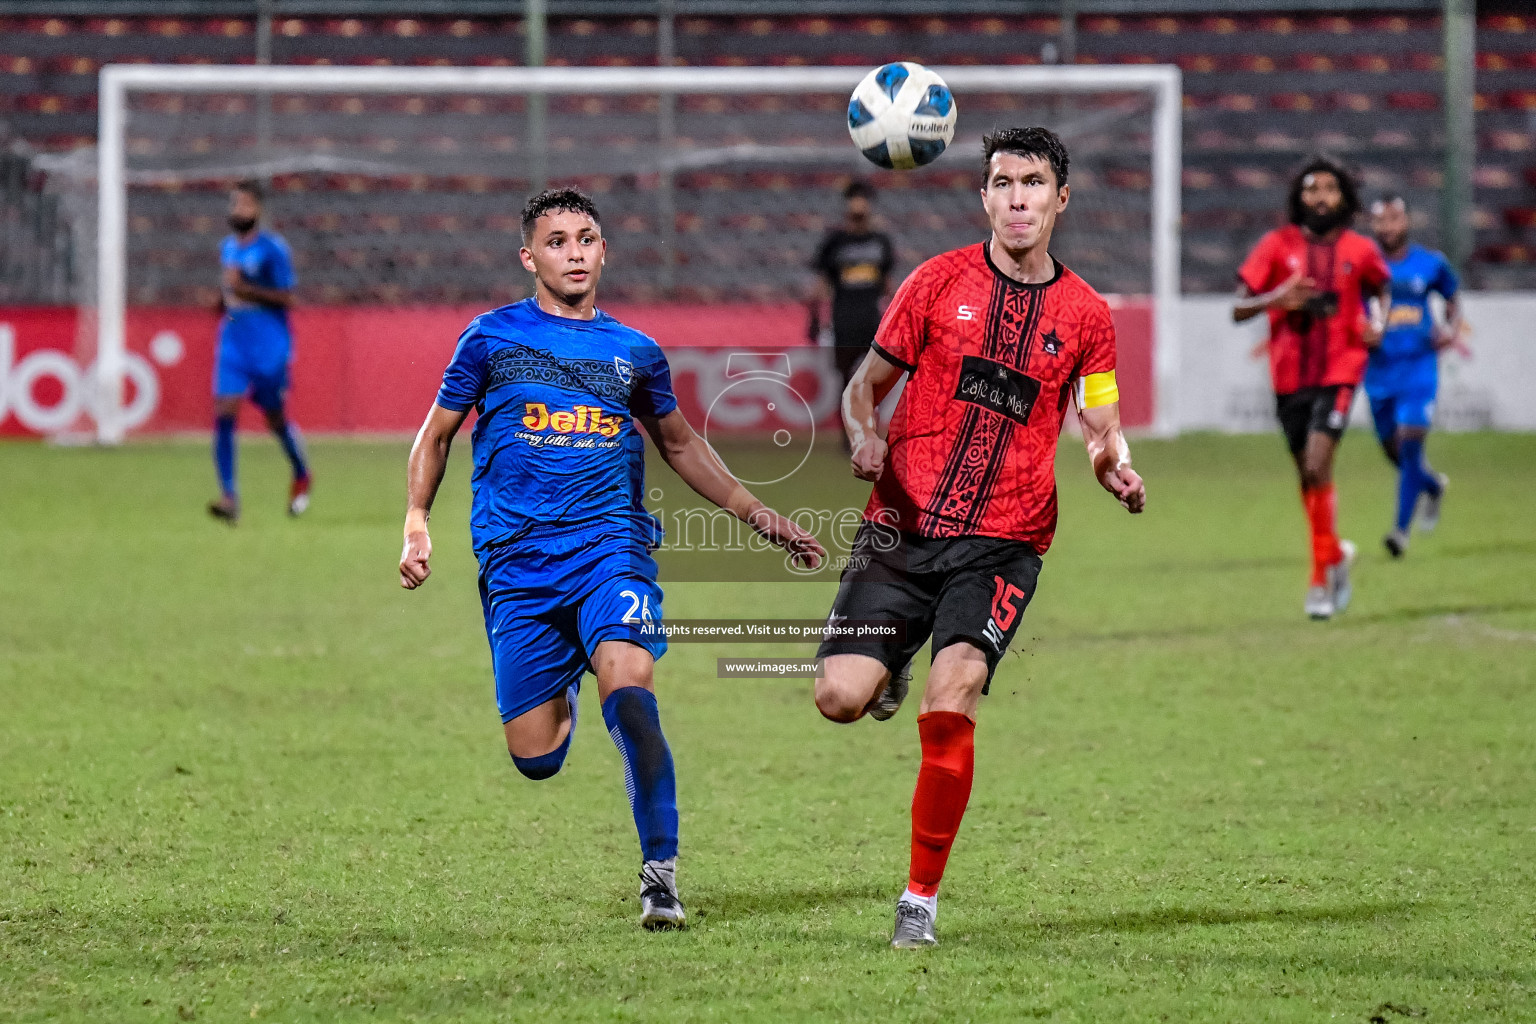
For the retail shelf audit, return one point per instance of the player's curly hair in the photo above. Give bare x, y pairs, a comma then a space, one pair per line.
1034, 141
1296, 213
572, 200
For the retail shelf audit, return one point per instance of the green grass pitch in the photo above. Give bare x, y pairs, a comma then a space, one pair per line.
243, 776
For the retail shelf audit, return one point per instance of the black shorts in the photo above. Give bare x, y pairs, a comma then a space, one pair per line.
1314, 411
956, 588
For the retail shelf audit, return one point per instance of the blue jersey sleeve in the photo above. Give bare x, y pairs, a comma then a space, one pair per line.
464, 380
652, 394
1445, 280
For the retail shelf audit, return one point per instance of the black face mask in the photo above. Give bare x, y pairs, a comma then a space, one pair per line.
240, 225
1322, 223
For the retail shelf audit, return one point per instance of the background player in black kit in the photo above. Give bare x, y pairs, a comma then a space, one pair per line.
853, 269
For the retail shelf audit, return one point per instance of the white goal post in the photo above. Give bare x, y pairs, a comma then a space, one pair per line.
1162, 83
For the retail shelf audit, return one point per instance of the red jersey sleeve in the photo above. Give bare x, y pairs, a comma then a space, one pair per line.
1099, 352
904, 328
1258, 270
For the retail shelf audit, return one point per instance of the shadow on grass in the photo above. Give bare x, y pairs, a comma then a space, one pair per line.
1440, 610
1201, 629
795, 900
1165, 918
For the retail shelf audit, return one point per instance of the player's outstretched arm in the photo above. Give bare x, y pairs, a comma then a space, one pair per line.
1111, 456
424, 473
871, 382
691, 457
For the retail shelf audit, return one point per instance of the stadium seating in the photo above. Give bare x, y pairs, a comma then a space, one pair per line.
1261, 92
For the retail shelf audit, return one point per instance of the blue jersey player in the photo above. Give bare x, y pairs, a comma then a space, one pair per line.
1403, 373
255, 347
564, 543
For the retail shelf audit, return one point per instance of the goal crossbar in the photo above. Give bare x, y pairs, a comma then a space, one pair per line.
1163, 83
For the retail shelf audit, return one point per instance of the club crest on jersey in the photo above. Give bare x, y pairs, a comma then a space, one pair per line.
584, 419
1050, 342
624, 368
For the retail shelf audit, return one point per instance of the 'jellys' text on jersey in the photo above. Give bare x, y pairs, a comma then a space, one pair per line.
555, 447
1410, 326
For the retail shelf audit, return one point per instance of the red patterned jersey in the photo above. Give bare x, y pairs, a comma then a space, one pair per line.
992, 364
1323, 345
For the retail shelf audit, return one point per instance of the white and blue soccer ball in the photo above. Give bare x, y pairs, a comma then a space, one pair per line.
901, 116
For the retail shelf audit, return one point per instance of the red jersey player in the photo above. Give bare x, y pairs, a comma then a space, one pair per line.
997, 338
1326, 290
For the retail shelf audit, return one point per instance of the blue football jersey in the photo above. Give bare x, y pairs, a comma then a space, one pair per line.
555, 448
266, 263
1410, 324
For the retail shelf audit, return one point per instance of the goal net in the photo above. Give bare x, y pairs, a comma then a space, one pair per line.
398, 192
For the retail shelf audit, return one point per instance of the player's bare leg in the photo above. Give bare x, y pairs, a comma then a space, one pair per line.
287, 435
539, 738
946, 723
227, 506
1330, 589
626, 687
850, 685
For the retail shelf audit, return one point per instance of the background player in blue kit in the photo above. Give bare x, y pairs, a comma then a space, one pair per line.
255, 347
1403, 374
564, 542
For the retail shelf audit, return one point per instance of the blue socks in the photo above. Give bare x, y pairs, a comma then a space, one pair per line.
293, 447
633, 722
548, 765
224, 452
1414, 478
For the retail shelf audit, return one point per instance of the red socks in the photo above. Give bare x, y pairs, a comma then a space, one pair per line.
943, 787
1322, 511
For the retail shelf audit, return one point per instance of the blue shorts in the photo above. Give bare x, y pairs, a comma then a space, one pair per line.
549, 604
1403, 397
261, 373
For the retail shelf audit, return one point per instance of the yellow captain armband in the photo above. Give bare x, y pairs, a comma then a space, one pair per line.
1097, 389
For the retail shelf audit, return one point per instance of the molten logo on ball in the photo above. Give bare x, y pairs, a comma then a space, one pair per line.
901, 116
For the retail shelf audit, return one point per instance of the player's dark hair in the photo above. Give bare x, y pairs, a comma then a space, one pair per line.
1041, 143
571, 200
1296, 213
252, 188
859, 189
1392, 197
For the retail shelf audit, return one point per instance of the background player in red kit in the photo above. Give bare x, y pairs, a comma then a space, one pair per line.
1326, 289
998, 338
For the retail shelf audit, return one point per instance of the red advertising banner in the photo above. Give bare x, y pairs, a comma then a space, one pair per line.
376, 369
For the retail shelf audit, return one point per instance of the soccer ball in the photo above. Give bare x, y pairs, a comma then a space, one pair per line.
901, 116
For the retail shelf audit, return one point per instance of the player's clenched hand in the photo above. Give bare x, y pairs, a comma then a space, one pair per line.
1375, 329
413, 560
1127, 487
1294, 293
868, 459
803, 547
